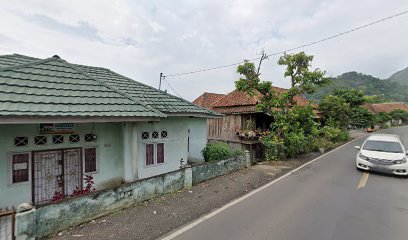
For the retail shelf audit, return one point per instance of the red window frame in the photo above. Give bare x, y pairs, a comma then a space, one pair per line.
160, 153
20, 175
154, 154
90, 160
149, 160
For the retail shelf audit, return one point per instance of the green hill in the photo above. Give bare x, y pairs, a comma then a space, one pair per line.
400, 77
386, 90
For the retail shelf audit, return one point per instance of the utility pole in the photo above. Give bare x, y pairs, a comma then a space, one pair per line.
161, 77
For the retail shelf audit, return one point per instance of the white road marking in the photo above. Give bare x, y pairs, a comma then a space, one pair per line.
219, 210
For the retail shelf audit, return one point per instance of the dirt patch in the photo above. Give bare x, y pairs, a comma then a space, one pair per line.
158, 216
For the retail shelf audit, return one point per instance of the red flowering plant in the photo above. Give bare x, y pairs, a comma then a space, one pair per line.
57, 196
89, 186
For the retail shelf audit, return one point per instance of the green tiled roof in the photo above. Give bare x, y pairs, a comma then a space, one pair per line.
53, 87
159, 100
142, 93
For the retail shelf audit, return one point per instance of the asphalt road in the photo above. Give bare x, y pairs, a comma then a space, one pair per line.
326, 200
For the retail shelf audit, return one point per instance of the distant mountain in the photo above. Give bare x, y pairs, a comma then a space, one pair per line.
400, 77
386, 90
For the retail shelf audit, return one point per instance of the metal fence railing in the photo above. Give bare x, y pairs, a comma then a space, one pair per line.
7, 223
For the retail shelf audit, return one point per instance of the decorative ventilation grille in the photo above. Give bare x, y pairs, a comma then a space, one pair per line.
155, 134
20, 141
40, 140
90, 137
74, 138
57, 139
163, 134
145, 135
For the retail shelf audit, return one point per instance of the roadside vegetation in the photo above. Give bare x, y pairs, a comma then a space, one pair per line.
343, 108
294, 130
219, 151
299, 129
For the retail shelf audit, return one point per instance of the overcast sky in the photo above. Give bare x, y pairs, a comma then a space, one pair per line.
140, 39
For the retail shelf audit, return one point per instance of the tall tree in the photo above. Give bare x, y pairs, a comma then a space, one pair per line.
336, 111
287, 126
352, 96
302, 81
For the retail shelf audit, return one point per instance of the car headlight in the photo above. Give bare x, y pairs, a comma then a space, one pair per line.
401, 161
363, 157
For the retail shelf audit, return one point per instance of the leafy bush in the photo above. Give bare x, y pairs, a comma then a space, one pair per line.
333, 134
399, 114
322, 142
382, 118
361, 117
295, 143
219, 151
343, 136
274, 148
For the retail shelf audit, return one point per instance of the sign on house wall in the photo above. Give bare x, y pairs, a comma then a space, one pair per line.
51, 128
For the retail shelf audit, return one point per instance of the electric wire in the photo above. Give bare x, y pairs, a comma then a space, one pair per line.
294, 48
164, 79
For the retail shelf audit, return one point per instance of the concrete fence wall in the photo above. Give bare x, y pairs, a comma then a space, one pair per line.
53, 218
46, 220
206, 171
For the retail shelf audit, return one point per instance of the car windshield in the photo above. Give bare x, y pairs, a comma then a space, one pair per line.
383, 146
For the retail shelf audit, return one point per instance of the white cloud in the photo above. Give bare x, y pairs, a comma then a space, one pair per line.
141, 39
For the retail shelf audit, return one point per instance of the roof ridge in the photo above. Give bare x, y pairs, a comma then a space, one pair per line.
33, 63
110, 87
213, 93
21, 55
390, 103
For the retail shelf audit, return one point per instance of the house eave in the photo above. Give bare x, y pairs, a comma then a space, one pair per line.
197, 115
65, 119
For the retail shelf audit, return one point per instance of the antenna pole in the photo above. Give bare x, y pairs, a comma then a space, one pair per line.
161, 76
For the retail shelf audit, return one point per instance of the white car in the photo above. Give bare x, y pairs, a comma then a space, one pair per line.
384, 153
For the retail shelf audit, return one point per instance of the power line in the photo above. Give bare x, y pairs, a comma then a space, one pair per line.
164, 79
295, 48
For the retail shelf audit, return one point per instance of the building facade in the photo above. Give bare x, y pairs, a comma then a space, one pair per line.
60, 122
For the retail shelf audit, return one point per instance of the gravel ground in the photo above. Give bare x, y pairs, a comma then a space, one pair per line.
161, 215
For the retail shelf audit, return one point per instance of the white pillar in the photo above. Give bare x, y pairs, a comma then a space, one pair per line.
248, 159
127, 152
134, 151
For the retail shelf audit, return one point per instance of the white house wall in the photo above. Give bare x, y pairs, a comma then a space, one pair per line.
198, 136
109, 151
175, 145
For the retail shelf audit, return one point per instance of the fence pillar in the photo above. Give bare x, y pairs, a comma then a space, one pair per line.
188, 177
26, 225
248, 158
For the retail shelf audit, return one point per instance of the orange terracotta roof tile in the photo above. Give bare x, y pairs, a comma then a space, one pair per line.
238, 98
385, 107
206, 99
